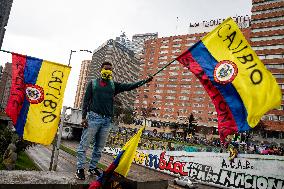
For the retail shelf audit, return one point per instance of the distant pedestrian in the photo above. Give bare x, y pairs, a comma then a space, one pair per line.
97, 113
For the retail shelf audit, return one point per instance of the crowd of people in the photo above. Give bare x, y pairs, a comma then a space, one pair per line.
244, 143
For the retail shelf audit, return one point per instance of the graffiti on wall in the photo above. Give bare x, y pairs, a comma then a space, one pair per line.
214, 170
233, 178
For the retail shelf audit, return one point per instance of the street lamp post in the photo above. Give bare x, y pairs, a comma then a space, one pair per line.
72, 51
56, 142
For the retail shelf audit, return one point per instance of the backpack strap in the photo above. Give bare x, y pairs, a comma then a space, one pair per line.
95, 84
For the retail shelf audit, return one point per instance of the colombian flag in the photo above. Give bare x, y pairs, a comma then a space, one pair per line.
36, 97
240, 86
121, 163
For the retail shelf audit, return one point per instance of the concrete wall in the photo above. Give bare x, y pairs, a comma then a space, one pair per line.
246, 171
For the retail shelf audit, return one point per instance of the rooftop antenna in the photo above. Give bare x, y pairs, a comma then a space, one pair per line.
177, 25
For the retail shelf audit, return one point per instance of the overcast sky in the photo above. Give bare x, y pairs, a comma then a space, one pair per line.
49, 29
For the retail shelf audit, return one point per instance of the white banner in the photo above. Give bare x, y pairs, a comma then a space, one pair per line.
246, 171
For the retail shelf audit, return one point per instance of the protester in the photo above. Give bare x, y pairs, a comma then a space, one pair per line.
97, 112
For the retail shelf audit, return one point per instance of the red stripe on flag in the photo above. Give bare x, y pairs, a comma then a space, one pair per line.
226, 122
17, 91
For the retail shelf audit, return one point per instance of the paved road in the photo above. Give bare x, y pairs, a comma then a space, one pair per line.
67, 163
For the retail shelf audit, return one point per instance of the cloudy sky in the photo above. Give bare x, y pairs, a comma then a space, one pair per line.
50, 29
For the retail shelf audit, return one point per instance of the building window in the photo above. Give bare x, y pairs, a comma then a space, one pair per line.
171, 91
169, 103
191, 38
186, 79
277, 66
176, 51
185, 104
176, 45
160, 85
172, 79
170, 97
159, 91
160, 79
278, 76
177, 40
200, 92
185, 92
174, 68
163, 62
164, 46
162, 57
184, 98
185, 86
158, 97
173, 73
161, 74
171, 85
164, 52
186, 72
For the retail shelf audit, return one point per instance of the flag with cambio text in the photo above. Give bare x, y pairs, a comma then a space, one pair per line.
121, 163
36, 97
240, 86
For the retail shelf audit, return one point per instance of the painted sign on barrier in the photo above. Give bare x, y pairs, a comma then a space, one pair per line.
247, 171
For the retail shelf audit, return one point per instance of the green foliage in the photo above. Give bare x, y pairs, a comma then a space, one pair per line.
5, 137
190, 127
127, 117
25, 163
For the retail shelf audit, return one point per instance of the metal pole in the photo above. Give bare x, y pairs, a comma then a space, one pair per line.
59, 138
52, 154
70, 57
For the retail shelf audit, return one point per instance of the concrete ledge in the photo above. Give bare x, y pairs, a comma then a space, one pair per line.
64, 180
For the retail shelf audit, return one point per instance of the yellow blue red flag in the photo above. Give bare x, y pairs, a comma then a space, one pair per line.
240, 86
129, 151
36, 97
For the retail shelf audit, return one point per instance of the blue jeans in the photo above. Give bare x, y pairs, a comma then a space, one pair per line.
97, 131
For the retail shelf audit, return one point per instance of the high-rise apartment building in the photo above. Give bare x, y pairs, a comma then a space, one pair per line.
5, 84
5, 8
175, 92
267, 39
126, 69
81, 83
138, 41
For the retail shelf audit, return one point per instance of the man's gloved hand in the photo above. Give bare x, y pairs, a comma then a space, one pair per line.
84, 123
150, 78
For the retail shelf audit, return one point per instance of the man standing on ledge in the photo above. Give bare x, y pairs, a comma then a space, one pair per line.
97, 112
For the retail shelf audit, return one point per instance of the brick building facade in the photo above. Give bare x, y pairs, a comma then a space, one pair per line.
81, 83
267, 39
175, 92
126, 68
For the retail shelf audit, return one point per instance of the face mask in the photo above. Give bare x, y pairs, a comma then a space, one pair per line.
106, 74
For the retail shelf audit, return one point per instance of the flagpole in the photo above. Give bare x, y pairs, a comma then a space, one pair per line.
6, 51
163, 67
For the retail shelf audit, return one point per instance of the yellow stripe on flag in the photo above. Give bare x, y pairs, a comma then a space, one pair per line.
130, 149
43, 118
256, 86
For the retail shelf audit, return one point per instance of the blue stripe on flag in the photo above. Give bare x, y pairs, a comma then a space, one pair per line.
228, 91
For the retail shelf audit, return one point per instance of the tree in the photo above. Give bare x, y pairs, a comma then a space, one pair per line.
128, 116
146, 112
190, 127
117, 110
